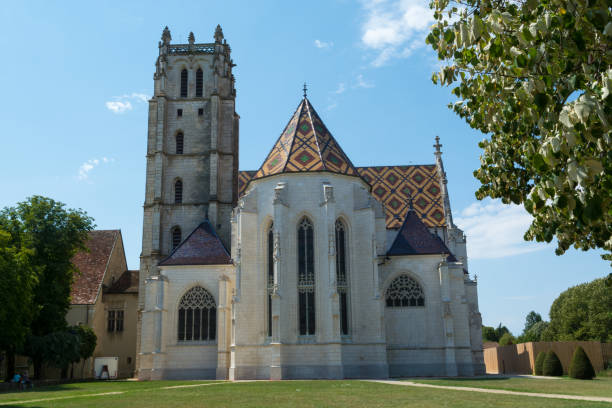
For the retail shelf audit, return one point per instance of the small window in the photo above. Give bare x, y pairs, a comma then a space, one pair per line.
199, 83
119, 320
129, 360
178, 192
179, 113
184, 83
201, 112
179, 143
111, 321
176, 237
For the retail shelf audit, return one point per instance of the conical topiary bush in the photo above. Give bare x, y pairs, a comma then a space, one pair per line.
581, 366
552, 366
539, 363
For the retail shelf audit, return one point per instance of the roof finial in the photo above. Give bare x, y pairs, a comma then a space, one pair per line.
305, 89
438, 145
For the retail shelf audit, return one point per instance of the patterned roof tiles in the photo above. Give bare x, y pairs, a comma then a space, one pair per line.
392, 186
306, 145
201, 247
92, 266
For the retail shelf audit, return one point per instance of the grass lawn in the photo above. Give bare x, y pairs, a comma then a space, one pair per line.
266, 394
599, 387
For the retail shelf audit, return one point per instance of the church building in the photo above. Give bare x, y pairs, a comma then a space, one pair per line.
308, 267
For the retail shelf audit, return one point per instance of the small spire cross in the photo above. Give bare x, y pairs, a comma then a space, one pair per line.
305, 89
437, 145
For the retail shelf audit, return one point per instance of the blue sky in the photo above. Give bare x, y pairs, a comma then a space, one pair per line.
74, 117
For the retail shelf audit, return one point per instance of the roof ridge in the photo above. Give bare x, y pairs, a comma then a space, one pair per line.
314, 132
300, 108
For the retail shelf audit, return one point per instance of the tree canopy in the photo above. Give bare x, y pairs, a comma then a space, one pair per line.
582, 312
536, 78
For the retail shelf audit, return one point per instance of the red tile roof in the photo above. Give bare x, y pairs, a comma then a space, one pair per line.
414, 238
92, 266
201, 247
127, 283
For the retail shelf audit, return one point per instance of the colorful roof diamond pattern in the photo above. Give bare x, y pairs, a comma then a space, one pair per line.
304, 145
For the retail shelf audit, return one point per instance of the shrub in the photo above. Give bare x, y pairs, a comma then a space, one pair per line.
552, 366
507, 339
539, 363
581, 366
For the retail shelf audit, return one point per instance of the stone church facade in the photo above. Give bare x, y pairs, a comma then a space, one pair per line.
308, 267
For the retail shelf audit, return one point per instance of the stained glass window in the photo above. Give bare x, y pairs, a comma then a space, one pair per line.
404, 291
197, 316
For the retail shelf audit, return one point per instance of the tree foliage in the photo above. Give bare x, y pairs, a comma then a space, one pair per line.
507, 339
552, 365
87, 340
535, 332
539, 363
536, 77
531, 319
582, 312
17, 280
581, 367
493, 334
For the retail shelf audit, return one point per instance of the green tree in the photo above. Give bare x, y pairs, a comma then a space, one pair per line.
536, 78
500, 331
581, 366
54, 235
539, 363
582, 312
531, 319
552, 365
488, 334
534, 333
17, 281
507, 339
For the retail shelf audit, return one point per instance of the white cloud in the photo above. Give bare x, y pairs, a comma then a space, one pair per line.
495, 230
123, 103
362, 83
89, 165
341, 88
118, 106
323, 44
395, 28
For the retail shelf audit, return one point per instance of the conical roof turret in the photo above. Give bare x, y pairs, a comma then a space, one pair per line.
306, 146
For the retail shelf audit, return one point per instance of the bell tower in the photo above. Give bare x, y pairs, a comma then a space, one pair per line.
192, 148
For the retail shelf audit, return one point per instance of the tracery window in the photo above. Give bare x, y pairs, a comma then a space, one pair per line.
184, 83
199, 83
342, 276
178, 192
404, 291
176, 237
270, 277
306, 277
197, 316
179, 143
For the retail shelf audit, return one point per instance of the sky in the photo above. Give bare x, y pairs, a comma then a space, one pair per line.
77, 77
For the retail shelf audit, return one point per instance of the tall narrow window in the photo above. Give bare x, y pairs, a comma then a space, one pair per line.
184, 83
199, 83
176, 237
306, 278
342, 276
404, 291
111, 321
197, 316
179, 143
270, 276
119, 320
178, 192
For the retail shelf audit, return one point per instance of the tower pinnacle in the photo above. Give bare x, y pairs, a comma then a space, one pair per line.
166, 37
218, 34
191, 38
305, 89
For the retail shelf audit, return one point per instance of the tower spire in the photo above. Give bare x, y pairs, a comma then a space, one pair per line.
305, 90
443, 181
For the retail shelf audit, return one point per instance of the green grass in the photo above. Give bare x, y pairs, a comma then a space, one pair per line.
598, 387
277, 394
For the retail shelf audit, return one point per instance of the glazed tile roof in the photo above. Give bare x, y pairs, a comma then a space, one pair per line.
414, 238
92, 266
392, 186
306, 145
201, 247
127, 283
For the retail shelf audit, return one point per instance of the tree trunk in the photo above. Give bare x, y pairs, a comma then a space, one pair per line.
10, 365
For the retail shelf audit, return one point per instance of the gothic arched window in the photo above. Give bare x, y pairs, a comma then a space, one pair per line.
197, 316
270, 277
179, 143
176, 237
404, 291
342, 275
199, 82
306, 277
178, 192
184, 83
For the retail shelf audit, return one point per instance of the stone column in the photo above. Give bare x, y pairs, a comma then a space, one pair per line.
215, 113
330, 311
447, 318
280, 204
223, 318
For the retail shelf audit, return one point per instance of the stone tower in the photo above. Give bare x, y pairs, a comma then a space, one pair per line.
192, 148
